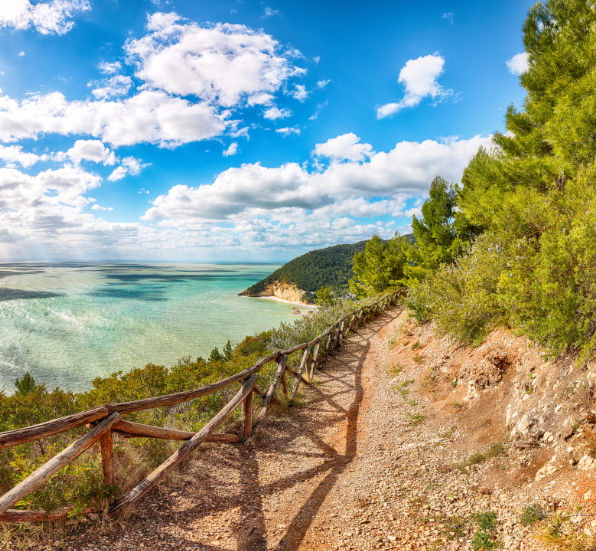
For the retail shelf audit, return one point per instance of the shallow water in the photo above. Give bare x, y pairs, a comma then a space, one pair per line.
70, 323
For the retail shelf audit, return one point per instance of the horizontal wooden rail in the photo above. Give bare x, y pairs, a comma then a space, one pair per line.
120, 505
49, 428
42, 474
130, 430
105, 420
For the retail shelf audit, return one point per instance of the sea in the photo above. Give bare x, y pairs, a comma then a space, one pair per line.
68, 323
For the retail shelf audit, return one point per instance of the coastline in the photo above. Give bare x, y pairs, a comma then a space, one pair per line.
311, 306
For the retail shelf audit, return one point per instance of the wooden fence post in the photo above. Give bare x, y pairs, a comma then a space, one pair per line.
338, 336
329, 341
37, 478
107, 457
284, 383
300, 371
247, 411
315, 360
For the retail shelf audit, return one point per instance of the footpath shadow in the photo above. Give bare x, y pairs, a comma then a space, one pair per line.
346, 366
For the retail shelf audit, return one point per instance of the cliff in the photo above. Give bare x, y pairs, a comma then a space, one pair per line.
284, 291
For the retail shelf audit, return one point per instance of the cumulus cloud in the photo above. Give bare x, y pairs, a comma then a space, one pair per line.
21, 54
50, 187
97, 207
344, 148
109, 68
46, 17
232, 150
193, 76
91, 150
275, 113
223, 64
129, 165
300, 93
419, 76
118, 85
518, 64
288, 130
15, 154
323, 83
368, 184
149, 116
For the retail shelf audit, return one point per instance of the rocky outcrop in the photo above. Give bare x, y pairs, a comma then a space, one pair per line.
284, 291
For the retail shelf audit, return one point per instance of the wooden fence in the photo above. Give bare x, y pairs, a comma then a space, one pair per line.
107, 419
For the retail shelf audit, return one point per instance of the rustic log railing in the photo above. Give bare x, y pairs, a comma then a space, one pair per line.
107, 419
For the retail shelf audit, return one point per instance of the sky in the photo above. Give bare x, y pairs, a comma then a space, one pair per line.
239, 130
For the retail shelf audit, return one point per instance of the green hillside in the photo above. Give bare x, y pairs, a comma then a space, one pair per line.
329, 267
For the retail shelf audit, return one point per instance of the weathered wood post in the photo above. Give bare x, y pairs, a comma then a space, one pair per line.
338, 336
303, 363
37, 478
247, 412
107, 457
315, 360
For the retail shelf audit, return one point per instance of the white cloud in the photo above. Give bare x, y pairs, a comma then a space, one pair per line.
316, 59
288, 130
415, 211
223, 64
419, 76
518, 64
46, 17
118, 85
109, 68
275, 113
344, 148
91, 150
449, 16
300, 93
149, 116
21, 54
260, 99
232, 150
50, 187
117, 174
129, 165
371, 187
97, 207
15, 154
269, 12
323, 83
316, 114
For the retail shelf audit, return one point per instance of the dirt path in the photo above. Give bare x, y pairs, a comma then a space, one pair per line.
266, 496
360, 467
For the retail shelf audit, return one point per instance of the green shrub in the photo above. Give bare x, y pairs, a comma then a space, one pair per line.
531, 514
485, 537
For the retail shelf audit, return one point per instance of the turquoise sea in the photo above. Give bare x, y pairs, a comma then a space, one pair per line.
69, 323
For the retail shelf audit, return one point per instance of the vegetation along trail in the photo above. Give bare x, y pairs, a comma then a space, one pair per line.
271, 495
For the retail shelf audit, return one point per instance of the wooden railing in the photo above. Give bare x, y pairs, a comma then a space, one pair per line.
108, 419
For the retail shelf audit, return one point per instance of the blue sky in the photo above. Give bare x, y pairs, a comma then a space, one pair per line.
239, 130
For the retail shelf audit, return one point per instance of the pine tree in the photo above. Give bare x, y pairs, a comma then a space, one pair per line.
435, 233
379, 268
227, 352
553, 136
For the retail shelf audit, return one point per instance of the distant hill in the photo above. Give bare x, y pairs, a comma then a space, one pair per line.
329, 267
